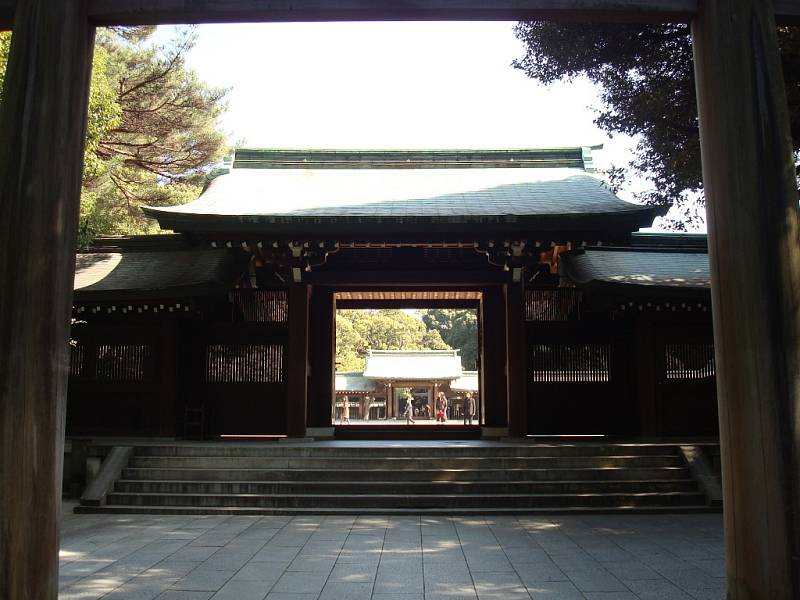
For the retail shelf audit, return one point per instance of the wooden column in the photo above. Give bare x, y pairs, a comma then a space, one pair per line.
168, 380
42, 127
645, 373
754, 250
297, 375
493, 358
517, 384
321, 357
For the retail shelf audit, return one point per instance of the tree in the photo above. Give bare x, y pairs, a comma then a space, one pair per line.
459, 329
166, 137
152, 129
646, 77
387, 329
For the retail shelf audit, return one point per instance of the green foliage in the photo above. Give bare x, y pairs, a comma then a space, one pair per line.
152, 129
646, 77
459, 329
5, 44
388, 329
165, 137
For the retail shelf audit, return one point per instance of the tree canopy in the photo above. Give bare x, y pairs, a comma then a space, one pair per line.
152, 129
387, 329
646, 77
459, 329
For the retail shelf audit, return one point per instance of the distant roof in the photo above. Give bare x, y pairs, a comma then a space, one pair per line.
353, 381
155, 273
283, 191
662, 268
413, 365
468, 382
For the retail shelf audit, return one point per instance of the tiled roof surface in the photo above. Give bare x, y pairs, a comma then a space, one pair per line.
155, 271
413, 365
397, 193
634, 267
353, 382
468, 382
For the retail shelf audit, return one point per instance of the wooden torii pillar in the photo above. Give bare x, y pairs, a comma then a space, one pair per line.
754, 249
42, 128
753, 240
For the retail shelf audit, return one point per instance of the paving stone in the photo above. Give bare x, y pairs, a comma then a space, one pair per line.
137, 590
657, 590
398, 581
194, 553
712, 566
631, 571
203, 580
337, 590
614, 557
82, 568
354, 573
531, 573
301, 583
596, 580
312, 564
498, 584
260, 571
554, 590
270, 553
181, 595
451, 589
243, 590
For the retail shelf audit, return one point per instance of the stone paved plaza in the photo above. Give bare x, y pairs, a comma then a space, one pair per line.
652, 557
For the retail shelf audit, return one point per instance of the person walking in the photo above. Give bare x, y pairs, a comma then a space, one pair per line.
441, 408
469, 409
345, 410
409, 412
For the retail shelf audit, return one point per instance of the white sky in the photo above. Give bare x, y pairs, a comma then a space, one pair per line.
392, 85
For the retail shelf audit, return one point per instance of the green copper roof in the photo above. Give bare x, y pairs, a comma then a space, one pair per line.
413, 365
353, 381
267, 158
403, 191
656, 267
168, 272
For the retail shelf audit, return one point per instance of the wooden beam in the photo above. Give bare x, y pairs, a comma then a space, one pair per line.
751, 193
42, 127
113, 12
407, 279
141, 12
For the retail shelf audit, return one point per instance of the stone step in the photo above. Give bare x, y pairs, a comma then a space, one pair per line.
389, 501
402, 487
450, 511
422, 451
400, 463
310, 475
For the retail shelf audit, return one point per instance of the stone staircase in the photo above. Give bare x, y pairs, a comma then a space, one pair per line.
403, 478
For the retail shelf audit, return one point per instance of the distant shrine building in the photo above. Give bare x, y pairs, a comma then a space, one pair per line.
227, 327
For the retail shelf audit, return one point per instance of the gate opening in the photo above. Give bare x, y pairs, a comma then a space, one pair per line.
407, 359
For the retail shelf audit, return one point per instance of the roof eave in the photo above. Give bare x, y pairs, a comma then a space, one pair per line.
629, 220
